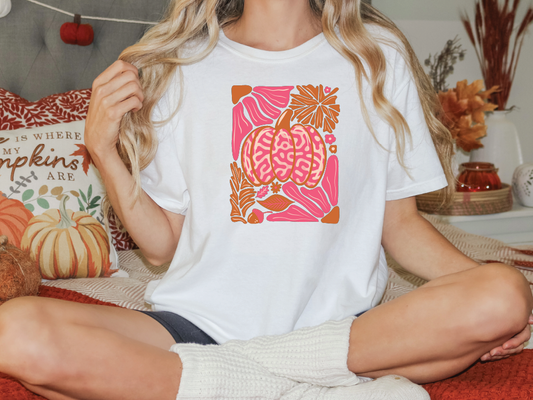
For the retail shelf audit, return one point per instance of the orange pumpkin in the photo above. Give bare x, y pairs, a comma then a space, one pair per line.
14, 218
67, 244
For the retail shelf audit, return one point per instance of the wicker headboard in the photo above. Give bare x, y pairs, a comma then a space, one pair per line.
35, 63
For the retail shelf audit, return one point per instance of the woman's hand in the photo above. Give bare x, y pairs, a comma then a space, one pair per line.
115, 92
514, 345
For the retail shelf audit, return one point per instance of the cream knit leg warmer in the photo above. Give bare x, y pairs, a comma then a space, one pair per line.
215, 372
309, 363
390, 387
317, 355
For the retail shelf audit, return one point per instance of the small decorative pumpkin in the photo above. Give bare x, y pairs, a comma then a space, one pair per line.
67, 244
14, 218
283, 152
76, 32
19, 275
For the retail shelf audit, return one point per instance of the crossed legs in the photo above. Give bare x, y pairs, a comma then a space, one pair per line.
66, 351
443, 327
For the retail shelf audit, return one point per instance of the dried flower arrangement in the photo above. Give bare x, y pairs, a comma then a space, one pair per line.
497, 45
464, 106
441, 65
464, 113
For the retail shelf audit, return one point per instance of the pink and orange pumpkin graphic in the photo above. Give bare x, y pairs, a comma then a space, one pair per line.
289, 157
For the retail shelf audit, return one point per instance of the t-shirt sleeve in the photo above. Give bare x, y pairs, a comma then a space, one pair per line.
163, 178
424, 171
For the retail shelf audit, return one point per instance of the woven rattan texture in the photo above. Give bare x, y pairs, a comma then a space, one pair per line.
465, 203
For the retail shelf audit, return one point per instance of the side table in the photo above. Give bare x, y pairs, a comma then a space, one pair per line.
513, 227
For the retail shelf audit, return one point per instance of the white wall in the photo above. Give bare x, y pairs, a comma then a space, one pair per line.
428, 24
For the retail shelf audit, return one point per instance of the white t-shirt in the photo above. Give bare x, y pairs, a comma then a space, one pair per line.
284, 209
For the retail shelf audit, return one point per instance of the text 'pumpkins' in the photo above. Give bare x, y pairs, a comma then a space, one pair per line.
67, 244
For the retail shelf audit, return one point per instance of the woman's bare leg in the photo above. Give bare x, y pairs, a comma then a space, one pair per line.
443, 327
65, 350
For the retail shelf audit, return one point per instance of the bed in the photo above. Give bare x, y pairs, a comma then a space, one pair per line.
45, 82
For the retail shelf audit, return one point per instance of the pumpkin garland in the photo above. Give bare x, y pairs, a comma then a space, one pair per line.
76, 32
67, 244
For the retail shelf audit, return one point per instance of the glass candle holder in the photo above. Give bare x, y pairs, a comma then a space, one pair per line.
478, 177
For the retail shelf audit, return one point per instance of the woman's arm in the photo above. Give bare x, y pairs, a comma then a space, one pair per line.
115, 92
416, 245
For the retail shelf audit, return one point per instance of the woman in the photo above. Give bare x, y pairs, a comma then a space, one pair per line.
254, 77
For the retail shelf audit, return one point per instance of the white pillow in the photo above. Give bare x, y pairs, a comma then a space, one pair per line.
50, 204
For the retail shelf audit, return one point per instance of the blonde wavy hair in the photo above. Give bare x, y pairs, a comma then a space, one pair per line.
157, 55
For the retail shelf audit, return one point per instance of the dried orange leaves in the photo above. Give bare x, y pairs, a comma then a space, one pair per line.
464, 113
467, 135
316, 105
476, 104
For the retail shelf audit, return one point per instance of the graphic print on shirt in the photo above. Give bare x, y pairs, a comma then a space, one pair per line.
285, 165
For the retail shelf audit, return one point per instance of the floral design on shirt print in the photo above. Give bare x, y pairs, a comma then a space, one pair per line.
282, 171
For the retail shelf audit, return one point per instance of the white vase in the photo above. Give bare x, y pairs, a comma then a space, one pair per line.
501, 146
523, 184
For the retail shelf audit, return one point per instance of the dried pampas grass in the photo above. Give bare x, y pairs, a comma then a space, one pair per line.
498, 43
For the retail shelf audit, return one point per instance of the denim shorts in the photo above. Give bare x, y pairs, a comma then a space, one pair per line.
181, 330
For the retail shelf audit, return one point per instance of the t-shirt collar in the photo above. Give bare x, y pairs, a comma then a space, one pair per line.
266, 55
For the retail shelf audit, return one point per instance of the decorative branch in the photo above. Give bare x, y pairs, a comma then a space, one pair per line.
441, 64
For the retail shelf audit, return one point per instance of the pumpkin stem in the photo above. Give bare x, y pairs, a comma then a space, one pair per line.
77, 19
284, 121
66, 222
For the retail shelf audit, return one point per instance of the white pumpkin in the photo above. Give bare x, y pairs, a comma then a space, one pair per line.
523, 184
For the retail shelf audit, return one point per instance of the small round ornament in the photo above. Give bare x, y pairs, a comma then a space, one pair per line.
523, 184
